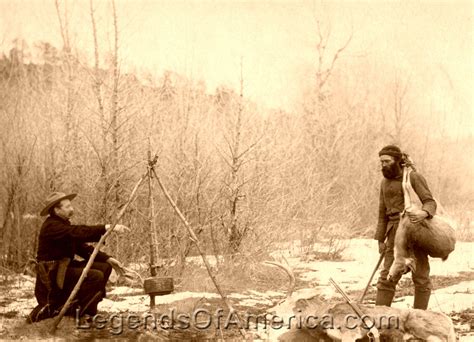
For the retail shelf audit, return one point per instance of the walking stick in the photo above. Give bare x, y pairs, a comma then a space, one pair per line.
382, 255
93, 255
372, 276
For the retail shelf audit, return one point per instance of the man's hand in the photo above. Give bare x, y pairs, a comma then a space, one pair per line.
119, 228
117, 266
417, 215
381, 247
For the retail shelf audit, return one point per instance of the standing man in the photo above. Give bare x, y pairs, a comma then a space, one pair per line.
57, 271
391, 205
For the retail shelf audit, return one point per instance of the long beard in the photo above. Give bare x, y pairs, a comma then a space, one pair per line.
391, 171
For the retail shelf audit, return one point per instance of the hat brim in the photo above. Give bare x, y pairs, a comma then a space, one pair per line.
45, 210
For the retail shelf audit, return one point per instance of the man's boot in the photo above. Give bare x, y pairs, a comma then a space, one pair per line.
422, 298
39, 313
384, 297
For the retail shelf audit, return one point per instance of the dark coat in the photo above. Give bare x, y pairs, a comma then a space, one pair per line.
60, 239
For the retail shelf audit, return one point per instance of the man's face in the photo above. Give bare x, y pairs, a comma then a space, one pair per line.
64, 209
390, 168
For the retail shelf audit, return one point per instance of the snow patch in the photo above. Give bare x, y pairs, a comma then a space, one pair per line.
140, 303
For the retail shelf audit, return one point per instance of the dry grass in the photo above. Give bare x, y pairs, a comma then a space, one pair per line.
463, 216
234, 276
465, 233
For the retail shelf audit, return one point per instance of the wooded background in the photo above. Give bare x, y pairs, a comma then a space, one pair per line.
247, 178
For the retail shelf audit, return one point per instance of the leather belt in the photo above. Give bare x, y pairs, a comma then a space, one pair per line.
394, 217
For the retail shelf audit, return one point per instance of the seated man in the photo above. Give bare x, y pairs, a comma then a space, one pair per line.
57, 271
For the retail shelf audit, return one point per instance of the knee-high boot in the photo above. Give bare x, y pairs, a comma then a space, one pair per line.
384, 297
422, 298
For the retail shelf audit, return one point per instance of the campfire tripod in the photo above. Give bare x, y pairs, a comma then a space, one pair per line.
150, 171
154, 286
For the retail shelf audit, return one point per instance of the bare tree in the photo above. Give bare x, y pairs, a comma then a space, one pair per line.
235, 157
401, 110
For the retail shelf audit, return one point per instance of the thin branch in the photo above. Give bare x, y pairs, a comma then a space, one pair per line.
250, 148
61, 25
335, 57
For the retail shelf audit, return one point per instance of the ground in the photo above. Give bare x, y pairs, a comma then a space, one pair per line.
123, 312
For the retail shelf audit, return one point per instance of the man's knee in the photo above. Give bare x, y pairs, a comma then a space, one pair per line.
385, 284
104, 267
421, 277
422, 283
94, 276
107, 271
422, 280
387, 262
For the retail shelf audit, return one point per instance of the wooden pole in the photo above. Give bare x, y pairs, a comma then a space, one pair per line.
153, 237
362, 296
93, 255
198, 246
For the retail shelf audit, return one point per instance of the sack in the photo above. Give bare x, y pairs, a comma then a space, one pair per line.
436, 236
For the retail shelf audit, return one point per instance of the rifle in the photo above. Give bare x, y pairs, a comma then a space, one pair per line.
373, 333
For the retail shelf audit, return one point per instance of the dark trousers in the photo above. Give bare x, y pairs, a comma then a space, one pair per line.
421, 276
95, 281
92, 289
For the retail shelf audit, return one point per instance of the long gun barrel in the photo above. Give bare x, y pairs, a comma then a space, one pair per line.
373, 333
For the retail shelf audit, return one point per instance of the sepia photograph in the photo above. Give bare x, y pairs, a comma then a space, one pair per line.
236, 170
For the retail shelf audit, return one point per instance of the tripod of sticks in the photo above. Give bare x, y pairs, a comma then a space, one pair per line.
150, 174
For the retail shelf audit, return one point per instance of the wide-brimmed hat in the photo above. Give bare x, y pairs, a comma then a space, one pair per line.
53, 199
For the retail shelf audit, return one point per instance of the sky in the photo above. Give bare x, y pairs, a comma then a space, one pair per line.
429, 42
